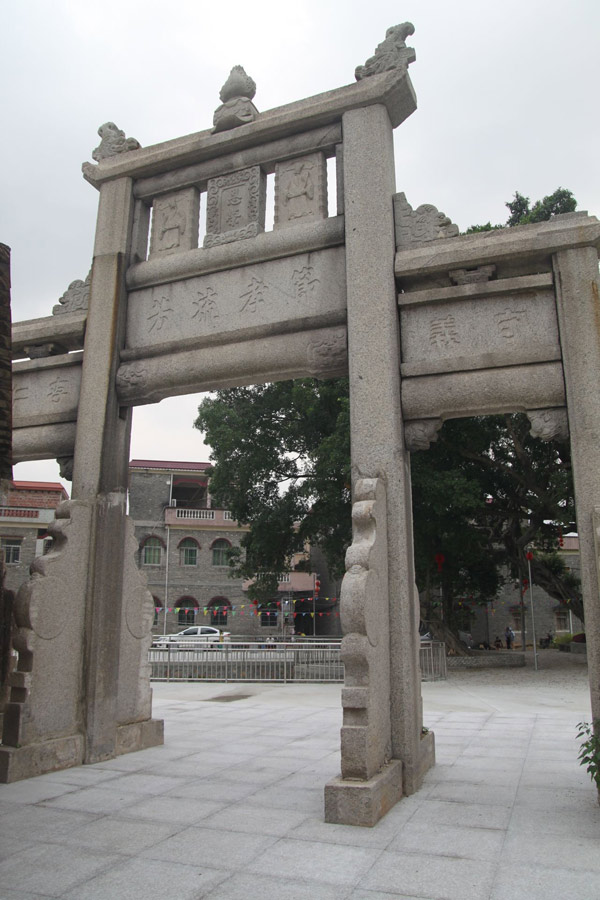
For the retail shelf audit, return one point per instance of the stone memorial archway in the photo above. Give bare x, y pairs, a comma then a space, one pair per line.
428, 325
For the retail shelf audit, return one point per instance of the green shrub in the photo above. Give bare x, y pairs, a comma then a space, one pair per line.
589, 753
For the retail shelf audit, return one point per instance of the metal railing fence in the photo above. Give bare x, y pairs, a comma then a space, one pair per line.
281, 663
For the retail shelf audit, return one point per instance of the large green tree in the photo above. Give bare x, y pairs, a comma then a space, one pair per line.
481, 495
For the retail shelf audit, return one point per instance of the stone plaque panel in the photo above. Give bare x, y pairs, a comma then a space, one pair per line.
175, 222
46, 391
479, 333
259, 298
235, 206
301, 190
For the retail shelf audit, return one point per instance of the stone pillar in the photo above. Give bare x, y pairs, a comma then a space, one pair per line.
383, 754
578, 302
100, 478
5, 368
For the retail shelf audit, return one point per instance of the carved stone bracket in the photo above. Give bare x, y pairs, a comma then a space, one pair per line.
478, 275
549, 424
392, 53
420, 434
415, 227
65, 464
113, 142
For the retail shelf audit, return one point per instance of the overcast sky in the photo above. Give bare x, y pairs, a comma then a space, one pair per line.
506, 92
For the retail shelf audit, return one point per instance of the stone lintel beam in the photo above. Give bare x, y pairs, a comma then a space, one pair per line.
44, 441
390, 89
270, 245
323, 140
321, 353
483, 393
569, 231
66, 331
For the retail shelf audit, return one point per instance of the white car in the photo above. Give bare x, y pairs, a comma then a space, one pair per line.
192, 635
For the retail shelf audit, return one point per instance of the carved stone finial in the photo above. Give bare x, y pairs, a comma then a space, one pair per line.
421, 225
236, 95
75, 298
392, 53
549, 424
113, 142
419, 435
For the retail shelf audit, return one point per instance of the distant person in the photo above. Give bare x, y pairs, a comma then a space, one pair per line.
498, 643
509, 637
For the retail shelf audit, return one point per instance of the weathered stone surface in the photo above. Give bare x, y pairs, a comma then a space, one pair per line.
301, 190
478, 275
65, 331
363, 802
320, 352
305, 289
113, 142
391, 54
175, 222
421, 225
235, 206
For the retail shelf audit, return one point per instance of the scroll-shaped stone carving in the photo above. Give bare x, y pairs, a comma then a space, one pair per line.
366, 735
327, 355
549, 424
113, 142
392, 53
76, 298
132, 376
237, 106
421, 434
235, 206
42, 724
415, 227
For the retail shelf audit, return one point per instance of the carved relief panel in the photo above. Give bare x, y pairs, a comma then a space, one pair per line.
301, 190
46, 391
175, 222
235, 206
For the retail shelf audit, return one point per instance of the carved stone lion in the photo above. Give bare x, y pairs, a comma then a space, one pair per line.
113, 141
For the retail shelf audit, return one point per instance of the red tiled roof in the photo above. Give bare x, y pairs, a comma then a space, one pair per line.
168, 464
37, 486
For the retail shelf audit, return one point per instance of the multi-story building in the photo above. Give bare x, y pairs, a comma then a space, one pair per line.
184, 544
25, 514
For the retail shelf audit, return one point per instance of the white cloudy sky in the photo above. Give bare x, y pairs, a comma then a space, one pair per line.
507, 97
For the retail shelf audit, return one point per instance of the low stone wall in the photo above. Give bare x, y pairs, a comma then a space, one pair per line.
577, 647
487, 659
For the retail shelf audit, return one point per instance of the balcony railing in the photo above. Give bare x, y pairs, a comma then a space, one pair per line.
17, 512
195, 514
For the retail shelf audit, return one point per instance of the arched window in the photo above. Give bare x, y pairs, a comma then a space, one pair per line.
220, 552
219, 608
188, 608
188, 552
152, 551
158, 608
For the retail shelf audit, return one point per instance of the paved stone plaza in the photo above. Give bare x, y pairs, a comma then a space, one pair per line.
232, 805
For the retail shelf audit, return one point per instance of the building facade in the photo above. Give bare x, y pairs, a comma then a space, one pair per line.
184, 543
25, 514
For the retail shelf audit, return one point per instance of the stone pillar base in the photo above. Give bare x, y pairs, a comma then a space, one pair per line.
17, 763
363, 802
139, 736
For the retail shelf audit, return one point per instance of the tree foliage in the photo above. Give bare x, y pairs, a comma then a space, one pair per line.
482, 495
